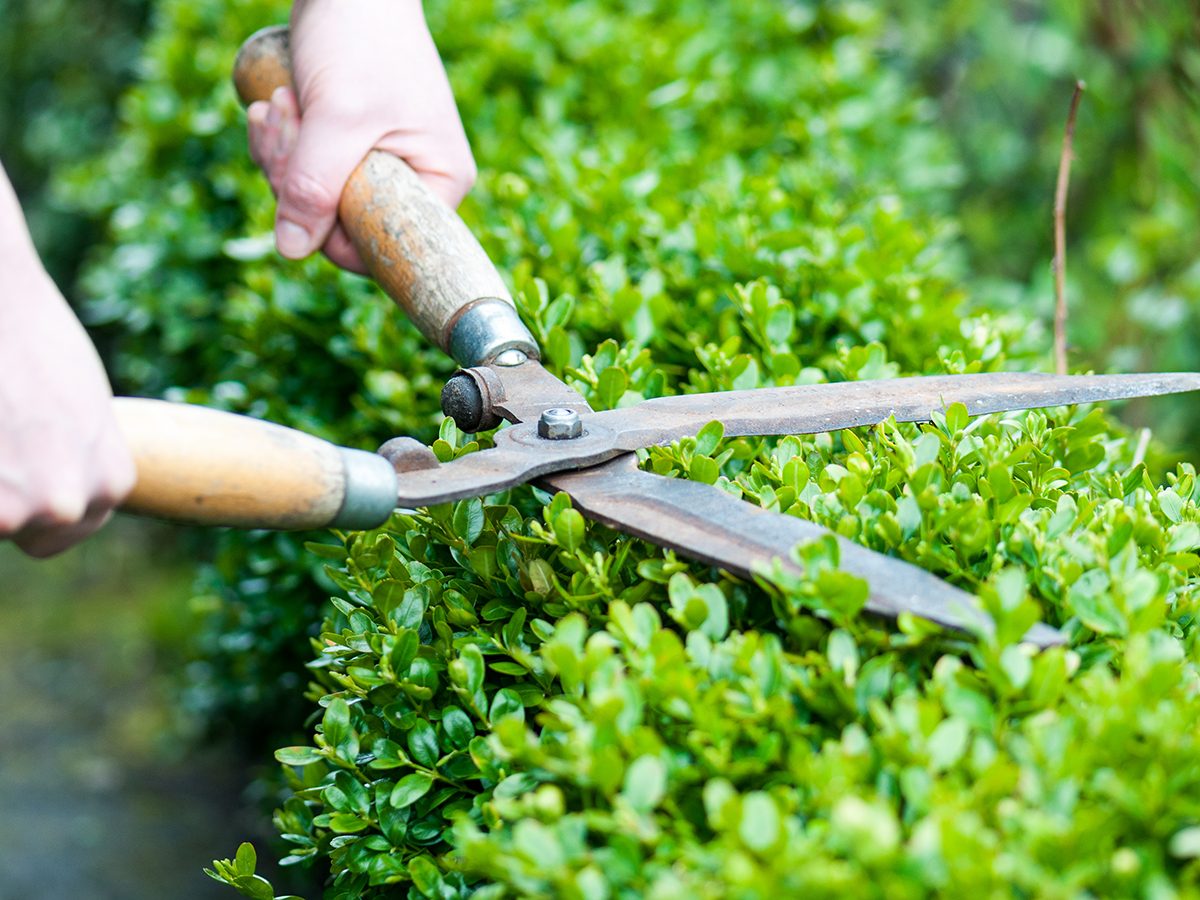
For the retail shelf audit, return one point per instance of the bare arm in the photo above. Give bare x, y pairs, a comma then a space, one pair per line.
63, 463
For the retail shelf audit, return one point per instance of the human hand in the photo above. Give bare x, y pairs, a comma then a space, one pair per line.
64, 465
367, 75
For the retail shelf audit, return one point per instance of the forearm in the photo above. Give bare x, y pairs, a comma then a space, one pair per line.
63, 462
17, 252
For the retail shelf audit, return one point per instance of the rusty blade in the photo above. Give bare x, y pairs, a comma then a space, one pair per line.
520, 393
520, 454
705, 523
509, 463
808, 409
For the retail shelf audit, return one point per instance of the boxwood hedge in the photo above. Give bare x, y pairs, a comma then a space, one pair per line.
505, 700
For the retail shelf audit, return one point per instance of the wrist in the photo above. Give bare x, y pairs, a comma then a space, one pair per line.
18, 259
18, 256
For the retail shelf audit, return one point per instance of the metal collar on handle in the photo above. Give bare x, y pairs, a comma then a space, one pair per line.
487, 329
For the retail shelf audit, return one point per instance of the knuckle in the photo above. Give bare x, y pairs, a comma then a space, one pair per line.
329, 106
59, 506
468, 174
42, 546
305, 194
116, 484
12, 517
461, 174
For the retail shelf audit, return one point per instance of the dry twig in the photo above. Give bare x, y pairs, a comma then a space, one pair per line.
1143, 443
1060, 237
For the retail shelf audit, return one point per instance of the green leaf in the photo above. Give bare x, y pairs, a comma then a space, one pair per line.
569, 529
326, 551
388, 755
957, 417
709, 438
468, 519
506, 704
759, 827
393, 822
423, 744
298, 756
425, 876
411, 609
704, 470
1185, 843
246, 859
347, 823
410, 789
336, 722
458, 726
645, 783
948, 743
611, 386
1171, 505
1097, 608
404, 651
472, 667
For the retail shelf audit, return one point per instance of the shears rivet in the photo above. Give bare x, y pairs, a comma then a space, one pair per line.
511, 357
559, 424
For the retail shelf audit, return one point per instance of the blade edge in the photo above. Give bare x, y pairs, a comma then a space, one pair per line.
702, 522
809, 409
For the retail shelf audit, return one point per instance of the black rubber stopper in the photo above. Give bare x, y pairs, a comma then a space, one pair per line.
462, 401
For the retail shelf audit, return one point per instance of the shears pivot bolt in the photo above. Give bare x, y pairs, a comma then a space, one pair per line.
559, 424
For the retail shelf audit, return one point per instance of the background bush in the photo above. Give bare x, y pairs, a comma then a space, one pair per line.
700, 196
1001, 75
62, 67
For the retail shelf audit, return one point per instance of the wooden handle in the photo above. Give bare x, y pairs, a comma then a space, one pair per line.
207, 467
415, 246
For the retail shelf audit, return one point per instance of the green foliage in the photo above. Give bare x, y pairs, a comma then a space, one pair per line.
532, 718
509, 700
1002, 75
62, 66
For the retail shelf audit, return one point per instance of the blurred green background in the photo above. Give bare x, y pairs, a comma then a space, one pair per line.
103, 793
114, 718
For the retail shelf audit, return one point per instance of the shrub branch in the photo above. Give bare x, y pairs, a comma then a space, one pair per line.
1060, 236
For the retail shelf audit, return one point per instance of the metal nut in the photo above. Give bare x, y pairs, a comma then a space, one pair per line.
559, 424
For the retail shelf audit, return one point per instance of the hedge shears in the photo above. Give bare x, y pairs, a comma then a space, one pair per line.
208, 467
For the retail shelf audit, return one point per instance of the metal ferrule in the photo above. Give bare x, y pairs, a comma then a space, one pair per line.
487, 328
370, 491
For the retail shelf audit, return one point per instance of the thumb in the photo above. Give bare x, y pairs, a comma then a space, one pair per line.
325, 154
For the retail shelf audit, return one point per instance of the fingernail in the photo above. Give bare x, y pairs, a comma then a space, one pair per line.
273, 115
292, 239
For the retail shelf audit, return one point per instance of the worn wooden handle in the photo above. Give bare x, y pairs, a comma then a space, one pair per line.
415, 246
207, 467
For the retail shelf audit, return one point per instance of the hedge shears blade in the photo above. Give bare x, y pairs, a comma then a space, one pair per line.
207, 467
707, 524
589, 456
485, 394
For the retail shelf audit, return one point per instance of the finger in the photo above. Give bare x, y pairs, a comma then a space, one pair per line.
450, 189
286, 116
325, 154
443, 162
117, 474
256, 128
272, 127
41, 541
341, 251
